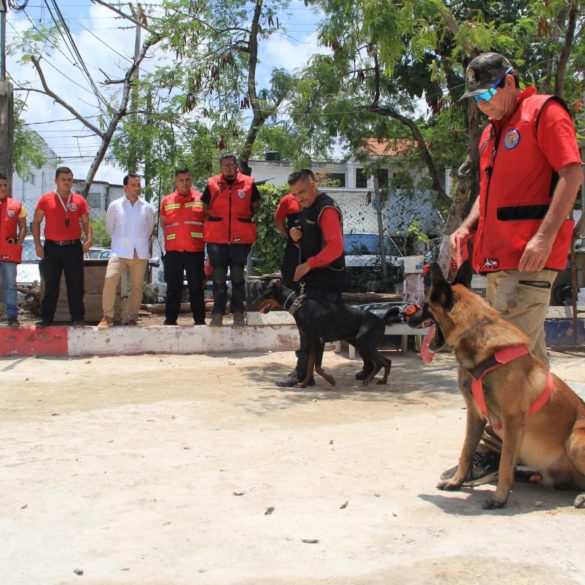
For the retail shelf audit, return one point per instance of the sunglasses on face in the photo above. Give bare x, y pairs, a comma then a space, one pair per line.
488, 94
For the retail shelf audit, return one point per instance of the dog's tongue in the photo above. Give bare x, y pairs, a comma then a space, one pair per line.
425, 351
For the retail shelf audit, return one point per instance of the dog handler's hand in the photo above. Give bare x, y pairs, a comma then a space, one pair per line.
301, 270
296, 234
535, 254
458, 238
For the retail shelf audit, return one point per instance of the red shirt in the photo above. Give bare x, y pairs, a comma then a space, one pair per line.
55, 228
332, 236
288, 205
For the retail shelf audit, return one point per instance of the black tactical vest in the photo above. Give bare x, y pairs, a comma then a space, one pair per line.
330, 277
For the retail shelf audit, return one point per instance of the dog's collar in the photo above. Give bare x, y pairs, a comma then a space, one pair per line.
475, 326
295, 305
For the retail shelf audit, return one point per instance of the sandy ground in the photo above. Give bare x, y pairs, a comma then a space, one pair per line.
177, 470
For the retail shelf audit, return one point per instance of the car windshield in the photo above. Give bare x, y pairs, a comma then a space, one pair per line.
356, 244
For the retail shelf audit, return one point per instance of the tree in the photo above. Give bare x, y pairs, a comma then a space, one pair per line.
215, 75
28, 146
386, 55
38, 42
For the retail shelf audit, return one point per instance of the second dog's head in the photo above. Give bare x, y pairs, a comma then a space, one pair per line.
273, 298
442, 305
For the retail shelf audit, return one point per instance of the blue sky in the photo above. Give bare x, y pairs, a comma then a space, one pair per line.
105, 41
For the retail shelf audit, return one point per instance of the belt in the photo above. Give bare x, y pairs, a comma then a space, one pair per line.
63, 242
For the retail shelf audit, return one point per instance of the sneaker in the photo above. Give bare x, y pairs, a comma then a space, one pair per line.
171, 323
78, 323
132, 323
239, 320
105, 323
43, 323
484, 469
292, 380
14, 322
216, 320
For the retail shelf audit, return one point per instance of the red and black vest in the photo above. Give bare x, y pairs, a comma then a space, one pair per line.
230, 211
183, 222
9, 211
330, 277
516, 188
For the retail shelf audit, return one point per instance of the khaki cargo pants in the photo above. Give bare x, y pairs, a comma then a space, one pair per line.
522, 298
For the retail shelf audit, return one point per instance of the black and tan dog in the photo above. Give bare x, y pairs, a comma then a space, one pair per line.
540, 420
322, 322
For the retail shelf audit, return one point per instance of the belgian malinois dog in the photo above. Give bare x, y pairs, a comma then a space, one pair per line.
540, 420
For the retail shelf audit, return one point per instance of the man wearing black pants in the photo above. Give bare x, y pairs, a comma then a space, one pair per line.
321, 272
230, 200
65, 213
181, 219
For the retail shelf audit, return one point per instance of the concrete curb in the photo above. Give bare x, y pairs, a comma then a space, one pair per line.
276, 332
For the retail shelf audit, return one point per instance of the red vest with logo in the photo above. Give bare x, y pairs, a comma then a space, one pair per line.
183, 222
230, 211
9, 211
516, 188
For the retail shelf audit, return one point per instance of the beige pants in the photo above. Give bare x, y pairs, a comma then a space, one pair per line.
521, 298
116, 267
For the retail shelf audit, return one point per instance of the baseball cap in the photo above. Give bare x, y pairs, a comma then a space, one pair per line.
483, 72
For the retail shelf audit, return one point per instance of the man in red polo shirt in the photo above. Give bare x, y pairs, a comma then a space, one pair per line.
65, 213
286, 217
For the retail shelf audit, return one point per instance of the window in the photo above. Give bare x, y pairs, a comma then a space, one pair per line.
336, 179
361, 179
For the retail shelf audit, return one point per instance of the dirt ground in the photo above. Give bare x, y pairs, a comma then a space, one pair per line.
180, 470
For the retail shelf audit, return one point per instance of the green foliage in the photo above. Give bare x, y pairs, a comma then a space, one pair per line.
27, 147
269, 246
101, 238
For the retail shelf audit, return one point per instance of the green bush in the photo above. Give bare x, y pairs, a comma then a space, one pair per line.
269, 246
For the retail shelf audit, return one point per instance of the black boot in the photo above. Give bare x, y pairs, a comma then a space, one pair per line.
298, 374
365, 371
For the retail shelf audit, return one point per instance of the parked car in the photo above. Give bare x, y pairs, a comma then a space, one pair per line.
363, 260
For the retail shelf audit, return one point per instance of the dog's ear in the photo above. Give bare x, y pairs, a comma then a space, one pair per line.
464, 274
441, 292
437, 277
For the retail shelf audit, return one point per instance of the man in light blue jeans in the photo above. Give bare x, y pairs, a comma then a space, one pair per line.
12, 232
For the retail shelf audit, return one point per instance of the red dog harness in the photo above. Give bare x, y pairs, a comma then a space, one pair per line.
504, 356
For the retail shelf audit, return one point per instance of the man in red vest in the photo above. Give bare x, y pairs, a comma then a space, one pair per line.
229, 202
12, 233
65, 214
530, 173
181, 219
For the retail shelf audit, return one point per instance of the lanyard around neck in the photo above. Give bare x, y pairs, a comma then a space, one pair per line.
65, 207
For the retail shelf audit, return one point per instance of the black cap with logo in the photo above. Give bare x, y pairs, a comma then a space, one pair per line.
483, 72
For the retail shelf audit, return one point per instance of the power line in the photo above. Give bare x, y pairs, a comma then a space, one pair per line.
66, 34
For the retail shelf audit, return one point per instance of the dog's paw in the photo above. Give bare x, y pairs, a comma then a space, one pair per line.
449, 485
492, 504
580, 501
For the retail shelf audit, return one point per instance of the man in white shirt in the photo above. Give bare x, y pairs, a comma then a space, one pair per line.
129, 222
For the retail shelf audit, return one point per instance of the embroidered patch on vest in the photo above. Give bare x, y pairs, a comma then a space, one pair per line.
511, 139
11, 213
242, 194
491, 263
73, 207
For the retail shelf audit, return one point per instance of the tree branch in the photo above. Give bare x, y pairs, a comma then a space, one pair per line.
47, 91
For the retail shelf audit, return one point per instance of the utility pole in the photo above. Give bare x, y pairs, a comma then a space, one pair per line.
6, 104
